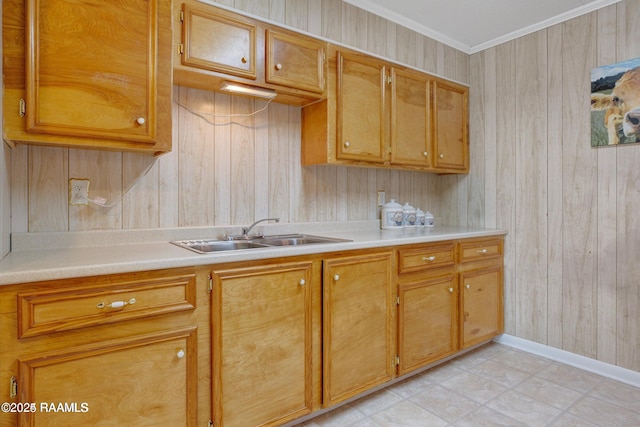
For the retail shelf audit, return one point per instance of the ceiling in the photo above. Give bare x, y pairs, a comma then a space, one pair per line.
475, 25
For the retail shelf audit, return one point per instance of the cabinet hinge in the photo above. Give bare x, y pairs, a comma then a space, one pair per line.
181, 48
210, 285
22, 108
398, 300
397, 360
181, 16
13, 387
210, 423
389, 79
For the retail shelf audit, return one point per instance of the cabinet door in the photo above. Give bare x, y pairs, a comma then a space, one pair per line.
144, 381
358, 352
482, 312
295, 61
262, 344
361, 108
410, 118
219, 41
450, 127
93, 69
427, 322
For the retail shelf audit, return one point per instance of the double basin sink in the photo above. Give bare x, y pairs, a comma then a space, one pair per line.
212, 245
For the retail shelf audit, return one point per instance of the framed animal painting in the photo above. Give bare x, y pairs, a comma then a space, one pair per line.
615, 103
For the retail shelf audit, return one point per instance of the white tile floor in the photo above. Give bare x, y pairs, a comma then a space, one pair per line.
494, 385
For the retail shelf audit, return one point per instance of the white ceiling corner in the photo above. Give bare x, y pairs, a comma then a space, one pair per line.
475, 25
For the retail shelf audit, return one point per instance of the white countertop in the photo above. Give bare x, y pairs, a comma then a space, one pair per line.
51, 256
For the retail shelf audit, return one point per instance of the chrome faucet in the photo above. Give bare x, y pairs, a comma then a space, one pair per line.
246, 230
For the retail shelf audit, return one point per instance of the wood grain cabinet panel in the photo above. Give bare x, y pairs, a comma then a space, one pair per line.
146, 380
98, 75
358, 303
262, 346
295, 60
68, 306
481, 305
426, 257
218, 40
450, 128
427, 322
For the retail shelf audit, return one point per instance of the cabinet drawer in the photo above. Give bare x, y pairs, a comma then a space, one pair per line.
72, 304
480, 250
417, 259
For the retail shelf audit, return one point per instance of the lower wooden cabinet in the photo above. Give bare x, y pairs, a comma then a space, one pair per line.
481, 305
427, 322
357, 318
262, 346
145, 380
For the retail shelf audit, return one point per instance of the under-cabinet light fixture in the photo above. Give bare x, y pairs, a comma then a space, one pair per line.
248, 90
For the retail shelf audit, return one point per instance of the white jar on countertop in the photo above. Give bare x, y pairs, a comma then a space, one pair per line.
391, 215
420, 218
408, 215
429, 219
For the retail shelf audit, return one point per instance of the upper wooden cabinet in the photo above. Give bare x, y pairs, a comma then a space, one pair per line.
96, 74
450, 109
219, 46
382, 114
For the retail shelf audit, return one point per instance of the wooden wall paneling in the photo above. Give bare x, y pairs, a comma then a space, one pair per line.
531, 203
488, 217
168, 175
376, 34
140, 186
195, 152
342, 191
606, 44
354, 26
261, 8
19, 186
332, 19
430, 56
628, 205
104, 171
406, 45
279, 162
48, 186
357, 186
326, 193
261, 164
222, 146
579, 163
555, 128
303, 180
478, 119
314, 18
242, 128
296, 14
506, 172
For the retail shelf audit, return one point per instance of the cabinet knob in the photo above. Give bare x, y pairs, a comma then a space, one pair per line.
441, 156
278, 66
336, 277
116, 304
431, 258
244, 59
180, 353
302, 282
424, 153
451, 290
140, 121
346, 144
468, 286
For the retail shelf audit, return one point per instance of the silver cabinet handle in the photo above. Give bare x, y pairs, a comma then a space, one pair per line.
431, 258
482, 251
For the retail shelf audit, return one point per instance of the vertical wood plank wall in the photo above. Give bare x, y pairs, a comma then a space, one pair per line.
572, 271
571, 256
234, 170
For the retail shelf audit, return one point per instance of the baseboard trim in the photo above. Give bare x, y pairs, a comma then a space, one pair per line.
604, 369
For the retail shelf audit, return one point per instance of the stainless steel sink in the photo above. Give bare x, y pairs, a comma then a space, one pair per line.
212, 245
208, 246
298, 239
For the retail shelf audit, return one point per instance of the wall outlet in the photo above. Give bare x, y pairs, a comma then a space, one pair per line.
381, 197
78, 191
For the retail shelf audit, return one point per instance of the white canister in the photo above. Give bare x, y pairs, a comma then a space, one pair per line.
391, 215
420, 218
408, 215
429, 219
